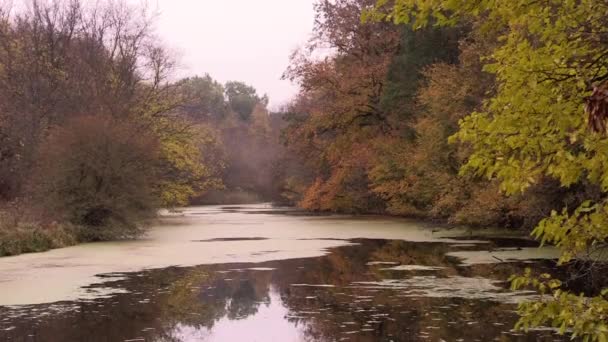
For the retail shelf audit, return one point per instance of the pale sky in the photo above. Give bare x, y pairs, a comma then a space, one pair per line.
241, 40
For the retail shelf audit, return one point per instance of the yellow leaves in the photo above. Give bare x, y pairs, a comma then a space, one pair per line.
582, 316
575, 233
545, 57
185, 172
175, 194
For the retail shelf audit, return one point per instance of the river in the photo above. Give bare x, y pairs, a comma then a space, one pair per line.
258, 273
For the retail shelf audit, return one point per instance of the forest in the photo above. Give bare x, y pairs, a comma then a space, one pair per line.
475, 113
96, 136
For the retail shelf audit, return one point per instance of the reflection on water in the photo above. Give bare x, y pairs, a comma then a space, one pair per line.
375, 290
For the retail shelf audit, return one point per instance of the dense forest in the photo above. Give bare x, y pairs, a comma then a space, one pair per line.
371, 124
482, 113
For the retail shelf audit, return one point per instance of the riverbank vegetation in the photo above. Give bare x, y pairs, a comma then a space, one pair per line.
477, 113
95, 133
369, 129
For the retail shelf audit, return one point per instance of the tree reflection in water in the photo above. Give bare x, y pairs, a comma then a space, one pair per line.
338, 297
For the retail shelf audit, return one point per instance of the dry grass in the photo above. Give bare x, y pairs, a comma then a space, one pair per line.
20, 233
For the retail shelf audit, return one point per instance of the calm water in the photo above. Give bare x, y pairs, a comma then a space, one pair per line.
272, 275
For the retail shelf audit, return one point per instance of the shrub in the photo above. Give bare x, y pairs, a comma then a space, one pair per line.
98, 173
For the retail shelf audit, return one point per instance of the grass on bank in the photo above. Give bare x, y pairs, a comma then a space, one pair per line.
34, 237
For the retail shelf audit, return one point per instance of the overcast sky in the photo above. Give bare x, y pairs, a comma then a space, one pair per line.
241, 40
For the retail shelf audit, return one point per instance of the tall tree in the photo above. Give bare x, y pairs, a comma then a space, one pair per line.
338, 110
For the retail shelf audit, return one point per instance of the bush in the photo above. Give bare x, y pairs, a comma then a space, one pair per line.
98, 173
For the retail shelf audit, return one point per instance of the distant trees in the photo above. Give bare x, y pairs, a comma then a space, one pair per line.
203, 98
242, 99
247, 136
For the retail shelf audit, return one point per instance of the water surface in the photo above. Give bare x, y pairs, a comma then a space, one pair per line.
254, 273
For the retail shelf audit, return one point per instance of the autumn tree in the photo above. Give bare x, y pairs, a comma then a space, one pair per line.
339, 105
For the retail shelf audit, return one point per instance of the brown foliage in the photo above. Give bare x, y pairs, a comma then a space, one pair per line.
65, 58
338, 113
98, 172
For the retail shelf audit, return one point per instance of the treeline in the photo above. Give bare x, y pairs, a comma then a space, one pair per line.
475, 112
94, 135
370, 130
